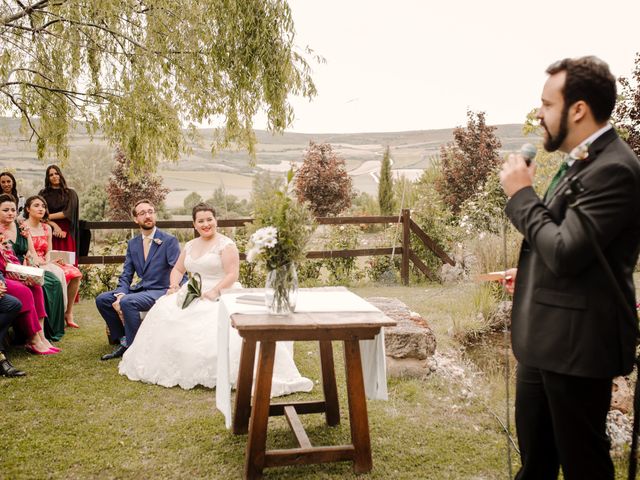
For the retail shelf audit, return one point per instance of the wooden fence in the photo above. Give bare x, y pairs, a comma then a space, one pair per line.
404, 249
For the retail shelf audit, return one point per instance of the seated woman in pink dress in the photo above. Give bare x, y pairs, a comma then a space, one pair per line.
35, 212
30, 320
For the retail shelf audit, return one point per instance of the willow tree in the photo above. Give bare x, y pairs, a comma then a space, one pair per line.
137, 71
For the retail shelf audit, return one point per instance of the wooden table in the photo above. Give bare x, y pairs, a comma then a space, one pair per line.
324, 327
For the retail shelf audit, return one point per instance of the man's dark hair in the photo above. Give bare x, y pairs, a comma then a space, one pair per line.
202, 207
144, 200
588, 79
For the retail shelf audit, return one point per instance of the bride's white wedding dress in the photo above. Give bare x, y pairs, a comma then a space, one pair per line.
179, 347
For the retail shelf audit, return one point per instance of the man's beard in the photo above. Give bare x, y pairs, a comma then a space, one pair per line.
146, 227
551, 143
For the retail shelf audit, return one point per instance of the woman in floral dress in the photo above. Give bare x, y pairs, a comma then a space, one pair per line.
35, 212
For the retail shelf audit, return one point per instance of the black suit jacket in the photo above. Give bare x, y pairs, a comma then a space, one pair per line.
565, 317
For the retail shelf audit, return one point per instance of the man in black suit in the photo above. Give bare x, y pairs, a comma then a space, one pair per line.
570, 334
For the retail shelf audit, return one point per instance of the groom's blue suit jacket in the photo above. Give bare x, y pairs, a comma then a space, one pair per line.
155, 271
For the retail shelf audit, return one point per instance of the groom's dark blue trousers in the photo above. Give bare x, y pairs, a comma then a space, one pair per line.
131, 305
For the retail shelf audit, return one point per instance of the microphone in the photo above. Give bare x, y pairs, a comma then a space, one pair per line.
528, 151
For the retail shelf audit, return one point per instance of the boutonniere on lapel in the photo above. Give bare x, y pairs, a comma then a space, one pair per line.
157, 241
581, 152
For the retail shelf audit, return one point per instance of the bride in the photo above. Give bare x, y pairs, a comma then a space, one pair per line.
176, 346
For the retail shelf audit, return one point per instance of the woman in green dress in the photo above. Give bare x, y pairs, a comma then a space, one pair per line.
52, 288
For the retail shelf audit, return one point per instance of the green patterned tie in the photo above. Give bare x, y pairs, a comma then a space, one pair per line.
556, 178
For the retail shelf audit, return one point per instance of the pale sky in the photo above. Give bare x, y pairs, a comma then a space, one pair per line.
394, 65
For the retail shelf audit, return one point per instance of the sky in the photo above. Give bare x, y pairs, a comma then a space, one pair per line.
396, 65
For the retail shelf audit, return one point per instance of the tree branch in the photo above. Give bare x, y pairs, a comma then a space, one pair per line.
26, 10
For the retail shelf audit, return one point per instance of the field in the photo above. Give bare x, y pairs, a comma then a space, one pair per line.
198, 171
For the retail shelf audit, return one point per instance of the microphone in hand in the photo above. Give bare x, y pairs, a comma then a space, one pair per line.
528, 151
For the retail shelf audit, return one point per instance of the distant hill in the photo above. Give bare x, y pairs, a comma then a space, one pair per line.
411, 152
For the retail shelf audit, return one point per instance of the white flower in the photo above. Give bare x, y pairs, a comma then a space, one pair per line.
265, 237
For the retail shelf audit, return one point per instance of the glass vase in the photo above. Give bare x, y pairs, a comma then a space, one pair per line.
281, 289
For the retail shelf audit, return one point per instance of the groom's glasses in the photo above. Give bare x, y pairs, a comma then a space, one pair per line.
142, 213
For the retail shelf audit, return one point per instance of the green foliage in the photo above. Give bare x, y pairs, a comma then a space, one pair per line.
484, 210
434, 216
135, 71
468, 161
124, 191
385, 186
626, 116
291, 218
252, 275
228, 205
342, 270
309, 273
191, 201
323, 181
97, 279
382, 269
93, 206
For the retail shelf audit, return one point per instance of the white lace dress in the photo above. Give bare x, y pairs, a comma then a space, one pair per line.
179, 347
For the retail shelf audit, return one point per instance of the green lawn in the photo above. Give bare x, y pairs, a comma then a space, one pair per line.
73, 416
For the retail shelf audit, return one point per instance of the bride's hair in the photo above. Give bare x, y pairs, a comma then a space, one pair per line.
202, 207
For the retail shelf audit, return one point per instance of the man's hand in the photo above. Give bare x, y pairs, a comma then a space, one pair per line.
116, 307
516, 175
509, 281
3, 289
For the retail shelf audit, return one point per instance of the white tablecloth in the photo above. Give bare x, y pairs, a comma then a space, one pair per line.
321, 300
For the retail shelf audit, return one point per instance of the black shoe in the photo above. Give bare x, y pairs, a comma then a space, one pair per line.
8, 370
117, 352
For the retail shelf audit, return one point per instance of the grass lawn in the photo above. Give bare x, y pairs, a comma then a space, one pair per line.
73, 416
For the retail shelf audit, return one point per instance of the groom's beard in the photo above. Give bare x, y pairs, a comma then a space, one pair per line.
148, 226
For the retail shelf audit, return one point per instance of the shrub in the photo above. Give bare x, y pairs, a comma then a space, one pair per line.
468, 161
343, 270
323, 181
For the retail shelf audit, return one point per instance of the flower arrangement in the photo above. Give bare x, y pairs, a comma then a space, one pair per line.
283, 227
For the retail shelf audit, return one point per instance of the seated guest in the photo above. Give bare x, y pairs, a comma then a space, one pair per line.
151, 256
9, 186
31, 318
9, 309
17, 234
63, 206
35, 212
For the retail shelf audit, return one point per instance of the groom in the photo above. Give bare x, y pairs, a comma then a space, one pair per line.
151, 256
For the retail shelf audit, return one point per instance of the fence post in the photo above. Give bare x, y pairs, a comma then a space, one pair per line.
406, 245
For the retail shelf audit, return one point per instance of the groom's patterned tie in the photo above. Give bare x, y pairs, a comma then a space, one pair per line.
146, 245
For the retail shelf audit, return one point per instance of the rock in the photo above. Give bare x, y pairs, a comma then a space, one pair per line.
621, 395
618, 430
410, 343
502, 315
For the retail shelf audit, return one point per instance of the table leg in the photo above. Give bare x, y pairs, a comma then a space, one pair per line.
329, 387
243, 387
357, 407
257, 441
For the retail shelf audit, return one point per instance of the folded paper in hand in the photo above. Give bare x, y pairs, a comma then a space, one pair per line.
25, 273
251, 299
489, 277
66, 257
